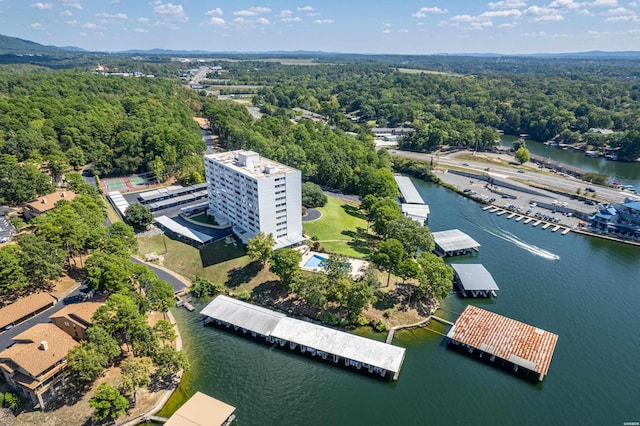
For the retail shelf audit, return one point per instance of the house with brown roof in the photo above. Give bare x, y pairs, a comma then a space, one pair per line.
35, 364
25, 308
74, 319
45, 203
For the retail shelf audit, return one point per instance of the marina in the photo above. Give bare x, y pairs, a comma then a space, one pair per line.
454, 243
518, 345
474, 280
331, 345
413, 206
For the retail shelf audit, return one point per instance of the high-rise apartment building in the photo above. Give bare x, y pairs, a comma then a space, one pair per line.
254, 194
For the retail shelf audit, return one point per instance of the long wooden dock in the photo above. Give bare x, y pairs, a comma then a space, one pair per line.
511, 216
555, 228
537, 222
566, 231
519, 218
441, 320
528, 220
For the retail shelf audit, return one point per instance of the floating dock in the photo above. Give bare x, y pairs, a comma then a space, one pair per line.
518, 345
537, 222
408, 190
546, 225
519, 218
331, 345
474, 279
511, 216
487, 207
566, 231
453, 243
500, 213
201, 409
555, 228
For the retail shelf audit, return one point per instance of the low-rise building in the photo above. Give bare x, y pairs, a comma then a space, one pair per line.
35, 364
74, 319
622, 220
25, 308
45, 203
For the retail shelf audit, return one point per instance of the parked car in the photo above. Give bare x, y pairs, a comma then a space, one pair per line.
520, 171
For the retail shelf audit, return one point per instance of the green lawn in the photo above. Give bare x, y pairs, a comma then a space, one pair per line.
337, 229
215, 261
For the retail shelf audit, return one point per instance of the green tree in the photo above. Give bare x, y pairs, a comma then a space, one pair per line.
201, 287
121, 318
108, 402
312, 195
139, 216
40, 259
285, 263
522, 155
337, 267
389, 254
76, 157
160, 294
381, 213
12, 277
103, 342
85, 361
121, 239
436, 277
108, 272
360, 295
165, 331
408, 269
260, 248
158, 168
414, 237
136, 373
169, 361
313, 289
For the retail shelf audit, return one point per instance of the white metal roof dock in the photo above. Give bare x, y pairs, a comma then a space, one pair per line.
454, 242
317, 340
417, 212
474, 278
518, 343
408, 190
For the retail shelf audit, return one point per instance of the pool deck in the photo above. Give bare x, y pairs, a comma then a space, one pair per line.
358, 266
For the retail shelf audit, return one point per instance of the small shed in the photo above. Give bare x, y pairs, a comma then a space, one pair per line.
474, 280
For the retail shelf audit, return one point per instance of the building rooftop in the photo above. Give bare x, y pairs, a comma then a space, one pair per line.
78, 311
408, 190
39, 348
170, 191
453, 240
417, 212
23, 307
189, 233
508, 339
201, 410
270, 323
47, 202
251, 163
474, 277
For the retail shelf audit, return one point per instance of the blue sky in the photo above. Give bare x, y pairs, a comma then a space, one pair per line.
374, 26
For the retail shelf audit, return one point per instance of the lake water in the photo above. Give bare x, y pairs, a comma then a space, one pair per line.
589, 297
625, 172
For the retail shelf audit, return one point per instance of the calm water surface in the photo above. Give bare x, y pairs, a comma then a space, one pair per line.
627, 173
589, 297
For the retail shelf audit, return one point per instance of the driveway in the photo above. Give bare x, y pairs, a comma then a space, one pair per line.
175, 282
312, 214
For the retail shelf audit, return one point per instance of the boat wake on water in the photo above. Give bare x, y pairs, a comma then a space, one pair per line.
535, 250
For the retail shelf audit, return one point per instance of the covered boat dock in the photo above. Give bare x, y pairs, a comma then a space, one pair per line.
515, 344
409, 192
322, 342
453, 243
474, 279
202, 410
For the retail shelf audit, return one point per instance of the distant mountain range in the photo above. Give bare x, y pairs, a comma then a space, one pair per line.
17, 46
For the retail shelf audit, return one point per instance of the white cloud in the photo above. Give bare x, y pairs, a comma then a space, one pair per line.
262, 21
66, 13
142, 20
585, 12
217, 21
386, 24
566, 4
72, 3
36, 26
508, 25
502, 14
306, 9
604, 3
214, 12
110, 16
90, 26
73, 23
540, 34
403, 31
544, 14
628, 18
140, 30
285, 13
171, 12
507, 4
422, 13
42, 6
633, 4
252, 11
386, 31
618, 11
293, 19
323, 21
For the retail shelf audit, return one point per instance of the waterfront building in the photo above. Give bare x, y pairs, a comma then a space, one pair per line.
36, 362
413, 206
74, 319
493, 336
202, 410
454, 243
322, 342
621, 220
474, 280
254, 194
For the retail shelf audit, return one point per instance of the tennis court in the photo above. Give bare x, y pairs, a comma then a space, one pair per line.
139, 181
114, 184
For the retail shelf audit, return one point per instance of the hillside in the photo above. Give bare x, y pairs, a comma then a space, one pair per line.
18, 46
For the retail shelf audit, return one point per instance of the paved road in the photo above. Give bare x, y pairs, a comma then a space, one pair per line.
76, 296
312, 214
164, 275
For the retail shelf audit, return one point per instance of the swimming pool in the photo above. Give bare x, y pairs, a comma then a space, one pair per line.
314, 261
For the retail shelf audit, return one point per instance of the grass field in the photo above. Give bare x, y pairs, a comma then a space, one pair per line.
419, 71
220, 262
337, 229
